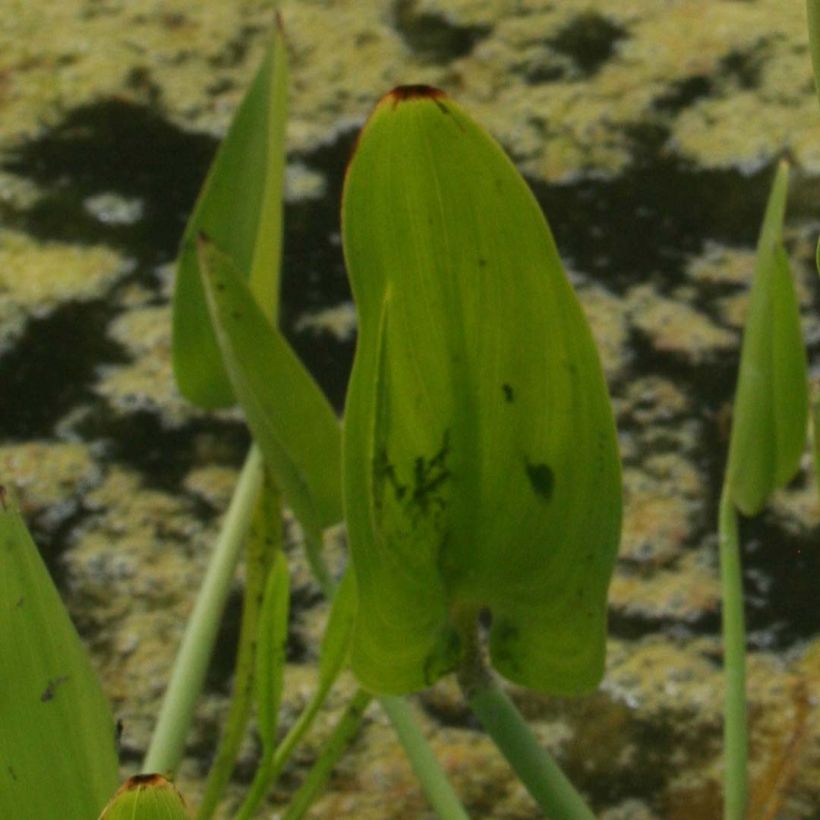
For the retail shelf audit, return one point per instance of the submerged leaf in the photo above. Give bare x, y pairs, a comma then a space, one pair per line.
57, 751
291, 420
480, 461
240, 208
771, 403
146, 797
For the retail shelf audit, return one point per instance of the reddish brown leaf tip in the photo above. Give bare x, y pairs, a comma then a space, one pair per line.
403, 93
137, 781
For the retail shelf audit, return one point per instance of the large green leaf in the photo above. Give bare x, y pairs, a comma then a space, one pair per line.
480, 460
289, 416
240, 208
57, 755
771, 403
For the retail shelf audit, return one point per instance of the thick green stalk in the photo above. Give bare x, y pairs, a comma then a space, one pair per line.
188, 675
735, 740
437, 787
533, 764
346, 729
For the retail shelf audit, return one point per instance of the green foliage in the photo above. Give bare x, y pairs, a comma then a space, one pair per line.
146, 797
771, 404
270, 652
240, 208
289, 416
480, 460
57, 749
338, 631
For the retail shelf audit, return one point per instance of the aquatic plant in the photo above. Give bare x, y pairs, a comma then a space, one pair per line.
476, 468
768, 437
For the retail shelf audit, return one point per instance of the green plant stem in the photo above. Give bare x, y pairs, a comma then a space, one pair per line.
168, 741
272, 763
343, 734
536, 769
735, 740
436, 785
262, 543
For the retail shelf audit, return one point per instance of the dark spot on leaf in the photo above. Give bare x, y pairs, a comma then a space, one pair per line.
541, 478
20, 601
505, 630
51, 688
12, 773
505, 635
236, 315
220, 285
385, 472
430, 474
2, 497
482, 262
509, 393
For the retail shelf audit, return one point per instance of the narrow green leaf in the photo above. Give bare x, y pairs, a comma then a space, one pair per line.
480, 461
337, 634
771, 403
145, 797
816, 437
57, 749
240, 207
270, 650
289, 416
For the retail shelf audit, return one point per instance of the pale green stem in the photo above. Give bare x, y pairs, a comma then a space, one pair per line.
533, 764
188, 675
735, 740
434, 782
437, 787
343, 734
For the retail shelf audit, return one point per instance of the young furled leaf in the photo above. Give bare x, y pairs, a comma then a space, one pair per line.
57, 746
771, 404
240, 208
480, 458
291, 420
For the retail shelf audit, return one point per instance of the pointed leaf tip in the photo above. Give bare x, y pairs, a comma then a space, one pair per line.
402, 93
771, 400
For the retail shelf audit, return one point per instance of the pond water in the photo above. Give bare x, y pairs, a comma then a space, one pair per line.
649, 134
